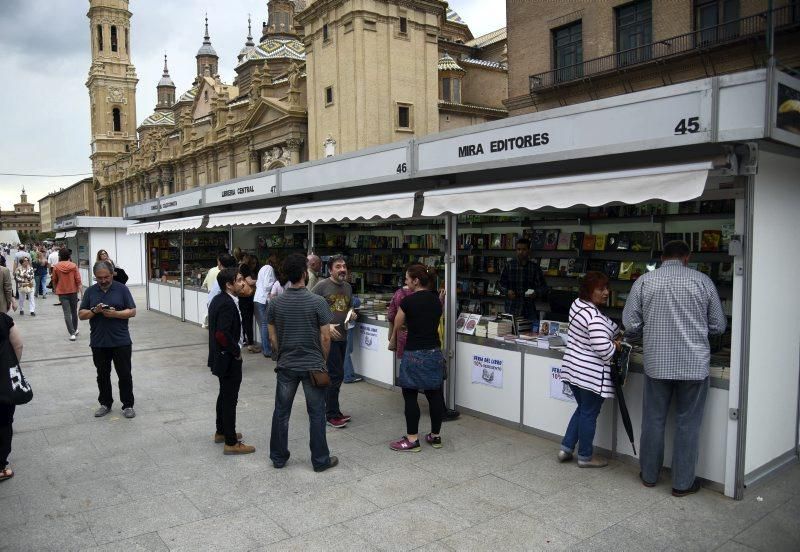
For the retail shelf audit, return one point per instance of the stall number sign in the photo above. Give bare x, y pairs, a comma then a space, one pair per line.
252, 189
368, 336
558, 389
487, 371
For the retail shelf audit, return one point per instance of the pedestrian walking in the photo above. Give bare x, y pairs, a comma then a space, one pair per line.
6, 288
246, 302
40, 273
586, 368
674, 308
24, 275
225, 340
339, 295
108, 305
264, 281
8, 333
422, 366
300, 333
67, 285
18, 256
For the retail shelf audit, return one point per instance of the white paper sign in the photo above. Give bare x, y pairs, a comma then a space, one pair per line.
487, 371
368, 336
558, 390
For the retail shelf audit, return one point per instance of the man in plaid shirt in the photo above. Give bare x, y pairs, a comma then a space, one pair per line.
519, 276
674, 309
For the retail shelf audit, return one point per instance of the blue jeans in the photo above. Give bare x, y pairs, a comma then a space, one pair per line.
583, 423
262, 312
288, 381
690, 401
349, 372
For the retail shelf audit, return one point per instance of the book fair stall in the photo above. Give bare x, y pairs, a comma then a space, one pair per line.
710, 162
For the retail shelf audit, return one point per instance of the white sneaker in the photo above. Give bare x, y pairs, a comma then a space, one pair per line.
77, 332
72, 337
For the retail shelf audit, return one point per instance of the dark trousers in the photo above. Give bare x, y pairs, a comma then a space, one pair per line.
247, 308
69, 305
583, 424
288, 381
690, 402
6, 432
336, 373
121, 357
435, 405
227, 400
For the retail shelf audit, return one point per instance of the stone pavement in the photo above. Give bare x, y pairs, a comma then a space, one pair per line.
158, 482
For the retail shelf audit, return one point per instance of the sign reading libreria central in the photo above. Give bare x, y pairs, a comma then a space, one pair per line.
256, 188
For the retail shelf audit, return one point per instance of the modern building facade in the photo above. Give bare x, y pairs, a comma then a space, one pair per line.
72, 201
325, 77
591, 49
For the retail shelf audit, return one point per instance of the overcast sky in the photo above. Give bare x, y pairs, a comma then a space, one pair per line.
45, 61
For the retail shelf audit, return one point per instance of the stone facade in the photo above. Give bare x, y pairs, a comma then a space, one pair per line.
375, 56
677, 52
23, 218
72, 201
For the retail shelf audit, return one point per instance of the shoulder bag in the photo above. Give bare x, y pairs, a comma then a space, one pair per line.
14, 387
319, 378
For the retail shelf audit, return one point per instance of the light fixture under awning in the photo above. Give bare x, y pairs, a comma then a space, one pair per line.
186, 223
673, 183
383, 207
142, 228
242, 218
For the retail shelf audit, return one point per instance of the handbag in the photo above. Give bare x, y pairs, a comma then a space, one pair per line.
319, 378
14, 387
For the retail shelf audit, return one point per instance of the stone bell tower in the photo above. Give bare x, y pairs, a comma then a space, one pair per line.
112, 87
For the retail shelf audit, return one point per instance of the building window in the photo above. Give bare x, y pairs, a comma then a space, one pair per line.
127, 43
205, 96
329, 95
446, 89
117, 119
113, 38
451, 90
404, 25
568, 52
100, 37
325, 36
634, 32
404, 117
716, 20
456, 90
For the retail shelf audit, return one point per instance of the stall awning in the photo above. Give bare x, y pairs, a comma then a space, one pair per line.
243, 218
143, 228
59, 235
70, 234
186, 223
383, 207
673, 183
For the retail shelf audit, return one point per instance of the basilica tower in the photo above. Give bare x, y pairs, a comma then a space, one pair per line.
112, 87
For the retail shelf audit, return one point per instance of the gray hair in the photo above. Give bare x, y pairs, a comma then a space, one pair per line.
102, 265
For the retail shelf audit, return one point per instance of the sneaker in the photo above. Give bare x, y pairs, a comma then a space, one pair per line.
72, 337
345, 417
102, 411
594, 462
337, 422
435, 442
220, 438
77, 332
646, 483
333, 463
404, 445
239, 448
33, 314
564, 456
129, 412
450, 415
355, 379
22, 313
686, 492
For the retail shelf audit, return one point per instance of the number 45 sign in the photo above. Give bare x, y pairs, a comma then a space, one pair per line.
688, 126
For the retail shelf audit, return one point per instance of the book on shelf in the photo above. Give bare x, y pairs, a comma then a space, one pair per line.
589, 241
576, 267
625, 270
600, 242
612, 269
624, 241
563, 267
611, 242
725, 273
549, 327
637, 270
595, 265
576, 241
538, 239
710, 240
726, 232
496, 241
544, 264
551, 239
552, 267
644, 240
564, 241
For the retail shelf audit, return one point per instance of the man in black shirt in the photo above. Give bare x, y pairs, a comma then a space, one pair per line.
518, 277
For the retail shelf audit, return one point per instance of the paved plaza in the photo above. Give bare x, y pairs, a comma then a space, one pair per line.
158, 482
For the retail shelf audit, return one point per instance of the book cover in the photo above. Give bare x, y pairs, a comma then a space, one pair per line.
538, 239
564, 241
625, 270
612, 269
725, 272
710, 240
728, 229
595, 265
552, 269
589, 242
563, 267
551, 240
544, 264
624, 241
496, 241
612, 242
642, 240
637, 270
705, 268
576, 241
480, 241
600, 242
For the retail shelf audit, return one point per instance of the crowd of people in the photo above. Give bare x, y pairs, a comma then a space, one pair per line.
306, 320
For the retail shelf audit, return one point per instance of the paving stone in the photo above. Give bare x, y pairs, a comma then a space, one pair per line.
485, 497
511, 531
614, 539
150, 542
398, 485
778, 530
76, 497
335, 538
62, 533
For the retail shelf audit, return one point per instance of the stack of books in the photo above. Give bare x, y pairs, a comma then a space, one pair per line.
499, 328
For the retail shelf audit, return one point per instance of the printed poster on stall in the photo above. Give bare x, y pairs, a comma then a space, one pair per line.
487, 371
558, 390
368, 336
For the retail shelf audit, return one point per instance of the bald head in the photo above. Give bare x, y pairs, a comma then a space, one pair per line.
314, 263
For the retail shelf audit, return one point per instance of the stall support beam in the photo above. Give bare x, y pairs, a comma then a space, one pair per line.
311, 243
183, 296
451, 305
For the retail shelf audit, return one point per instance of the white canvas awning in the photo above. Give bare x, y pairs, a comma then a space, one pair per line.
70, 234
673, 183
143, 228
382, 207
59, 235
243, 218
176, 225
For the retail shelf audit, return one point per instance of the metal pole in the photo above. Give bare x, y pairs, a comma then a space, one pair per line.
451, 304
183, 299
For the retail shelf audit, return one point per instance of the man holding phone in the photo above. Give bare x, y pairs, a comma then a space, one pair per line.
108, 305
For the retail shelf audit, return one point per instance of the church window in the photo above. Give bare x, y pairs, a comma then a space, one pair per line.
117, 119
100, 37
404, 25
456, 90
205, 96
127, 43
446, 89
329, 95
325, 36
113, 38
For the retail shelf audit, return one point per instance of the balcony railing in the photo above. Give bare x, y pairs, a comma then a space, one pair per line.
702, 39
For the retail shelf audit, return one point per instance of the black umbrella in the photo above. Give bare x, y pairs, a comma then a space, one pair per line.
619, 373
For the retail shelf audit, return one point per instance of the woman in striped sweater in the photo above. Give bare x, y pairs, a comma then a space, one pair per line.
593, 338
